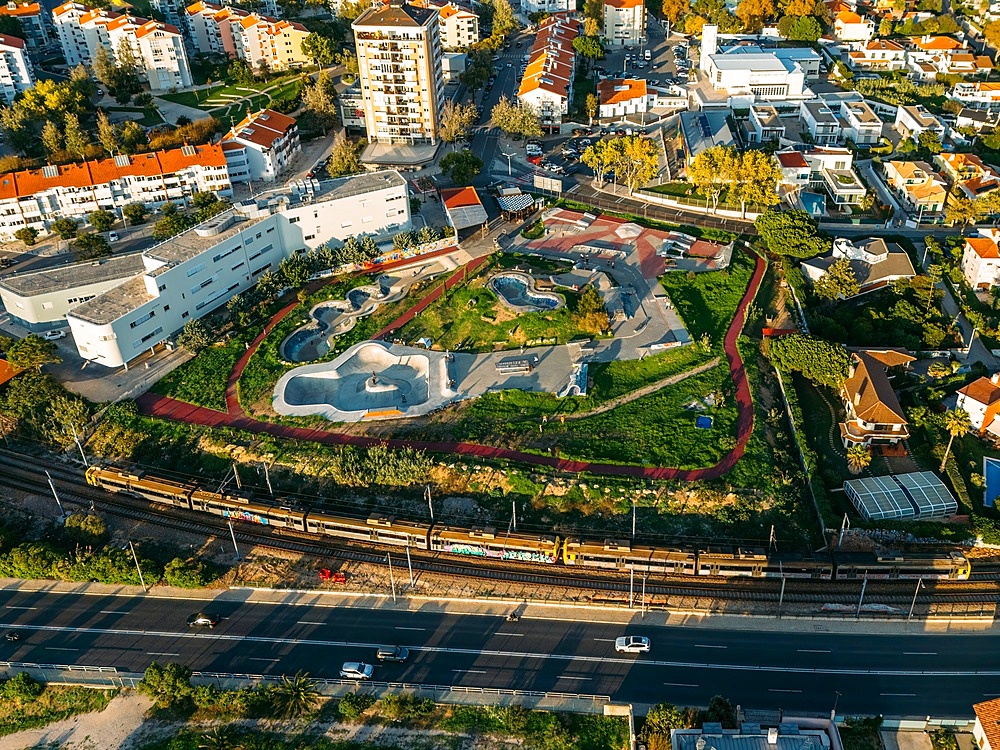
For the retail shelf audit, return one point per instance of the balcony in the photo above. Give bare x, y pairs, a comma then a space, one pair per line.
856, 433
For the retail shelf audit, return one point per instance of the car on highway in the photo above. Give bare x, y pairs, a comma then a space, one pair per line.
203, 619
112, 236
395, 654
6, 262
54, 335
356, 670
632, 644
12, 635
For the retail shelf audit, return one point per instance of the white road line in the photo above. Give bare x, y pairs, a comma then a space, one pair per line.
59, 648
398, 627
261, 658
920, 653
813, 651
680, 684
11, 606
112, 612
605, 640
470, 671
706, 645
780, 690
900, 695
511, 635
160, 653
575, 678
310, 622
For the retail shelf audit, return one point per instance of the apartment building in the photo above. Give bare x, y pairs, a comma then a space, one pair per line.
981, 259
198, 271
547, 85
848, 26
16, 73
752, 73
351, 104
277, 43
400, 68
877, 55
261, 147
72, 40
164, 59
37, 197
459, 27
547, 6
35, 22
624, 22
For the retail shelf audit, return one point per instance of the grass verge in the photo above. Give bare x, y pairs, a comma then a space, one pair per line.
54, 703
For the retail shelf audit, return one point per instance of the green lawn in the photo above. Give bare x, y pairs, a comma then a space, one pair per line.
202, 379
281, 89
614, 379
53, 704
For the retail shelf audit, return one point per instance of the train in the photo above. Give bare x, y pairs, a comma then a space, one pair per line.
551, 549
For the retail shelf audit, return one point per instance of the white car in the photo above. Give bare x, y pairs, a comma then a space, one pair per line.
632, 644
54, 335
356, 670
112, 236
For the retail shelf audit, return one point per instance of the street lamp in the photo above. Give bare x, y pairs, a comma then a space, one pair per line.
920, 585
509, 157
972, 338
833, 713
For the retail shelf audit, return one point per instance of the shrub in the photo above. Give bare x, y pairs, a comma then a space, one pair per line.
85, 528
21, 687
352, 705
27, 235
187, 574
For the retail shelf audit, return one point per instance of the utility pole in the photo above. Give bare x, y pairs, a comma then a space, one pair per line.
392, 580
78, 445
633, 519
845, 524
239, 484
138, 569
643, 607
62, 511
631, 588
781, 596
409, 565
920, 585
430, 505
267, 478
513, 513
233, 534
864, 585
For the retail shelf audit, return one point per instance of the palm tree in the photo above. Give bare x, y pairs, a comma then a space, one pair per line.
859, 457
296, 696
957, 423
220, 738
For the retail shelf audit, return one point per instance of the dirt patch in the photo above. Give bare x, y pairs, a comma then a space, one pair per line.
115, 728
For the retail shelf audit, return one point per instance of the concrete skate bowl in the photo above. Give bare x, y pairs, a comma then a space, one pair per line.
517, 291
329, 320
370, 379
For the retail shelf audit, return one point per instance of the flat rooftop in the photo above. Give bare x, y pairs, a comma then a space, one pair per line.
108, 307
49, 280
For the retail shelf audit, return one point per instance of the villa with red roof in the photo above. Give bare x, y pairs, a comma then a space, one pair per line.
848, 26
261, 147
620, 97
981, 259
981, 401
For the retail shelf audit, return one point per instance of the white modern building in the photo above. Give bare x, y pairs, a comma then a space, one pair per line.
261, 147
848, 26
979, 95
751, 73
877, 54
624, 96
981, 259
37, 197
914, 119
624, 22
547, 6
15, 69
192, 274
66, 19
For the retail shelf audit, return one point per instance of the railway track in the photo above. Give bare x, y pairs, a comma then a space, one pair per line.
27, 474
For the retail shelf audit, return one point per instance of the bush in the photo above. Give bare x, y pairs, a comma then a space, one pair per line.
168, 685
85, 528
187, 574
21, 687
352, 705
65, 228
27, 235
135, 213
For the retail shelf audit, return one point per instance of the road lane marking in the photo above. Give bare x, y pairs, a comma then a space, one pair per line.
512, 635
813, 651
400, 627
708, 645
113, 612
12, 606
900, 695
261, 658
573, 678
160, 653
605, 640
680, 684
310, 622
920, 653
470, 671
781, 690
59, 648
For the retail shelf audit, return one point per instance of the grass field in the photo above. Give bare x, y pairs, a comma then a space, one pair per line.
202, 379
54, 703
261, 94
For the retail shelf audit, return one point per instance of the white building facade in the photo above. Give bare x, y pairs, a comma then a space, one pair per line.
261, 147
16, 74
624, 22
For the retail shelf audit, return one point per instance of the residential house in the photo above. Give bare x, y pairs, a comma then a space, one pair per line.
877, 55
459, 27
977, 119
35, 22
198, 271
821, 122
547, 6
37, 197
875, 264
914, 119
764, 124
547, 84
848, 26
620, 97
874, 416
16, 72
986, 730
968, 174
981, 401
922, 189
795, 169
261, 147
624, 22
981, 259
822, 168
702, 130
753, 73
859, 123
978, 95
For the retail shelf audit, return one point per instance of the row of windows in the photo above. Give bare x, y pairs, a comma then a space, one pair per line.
156, 332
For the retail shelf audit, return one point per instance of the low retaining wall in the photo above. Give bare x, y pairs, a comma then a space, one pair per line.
664, 200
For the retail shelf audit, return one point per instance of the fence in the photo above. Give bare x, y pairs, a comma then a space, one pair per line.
685, 203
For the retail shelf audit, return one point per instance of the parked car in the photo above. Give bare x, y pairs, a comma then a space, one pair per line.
203, 619
632, 644
6, 262
397, 654
356, 670
54, 335
112, 236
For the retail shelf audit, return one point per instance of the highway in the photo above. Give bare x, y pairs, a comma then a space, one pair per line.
915, 674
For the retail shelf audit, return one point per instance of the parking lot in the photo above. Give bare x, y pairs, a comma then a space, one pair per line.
665, 66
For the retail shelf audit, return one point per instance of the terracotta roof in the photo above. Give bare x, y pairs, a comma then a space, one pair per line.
982, 391
988, 713
460, 197
24, 9
890, 357
150, 26
984, 247
263, 128
11, 41
620, 90
928, 189
624, 3
847, 16
232, 146
982, 61
550, 62
67, 7
883, 45
8, 371
870, 392
202, 6
792, 160
936, 43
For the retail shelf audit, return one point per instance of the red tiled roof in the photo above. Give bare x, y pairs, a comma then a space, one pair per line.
620, 90
988, 713
624, 3
8, 371
150, 26
982, 391
460, 197
267, 126
11, 41
792, 160
24, 9
984, 247
66, 8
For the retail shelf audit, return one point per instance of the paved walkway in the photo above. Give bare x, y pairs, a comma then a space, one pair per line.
168, 408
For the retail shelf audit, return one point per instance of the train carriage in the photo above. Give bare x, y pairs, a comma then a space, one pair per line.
483, 541
794, 565
616, 554
892, 564
738, 562
141, 485
377, 528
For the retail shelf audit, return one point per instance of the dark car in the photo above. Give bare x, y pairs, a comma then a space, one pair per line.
6, 262
12, 635
396, 654
203, 619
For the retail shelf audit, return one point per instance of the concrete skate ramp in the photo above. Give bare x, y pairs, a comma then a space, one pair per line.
372, 378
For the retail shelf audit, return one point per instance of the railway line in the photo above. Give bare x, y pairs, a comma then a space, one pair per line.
27, 474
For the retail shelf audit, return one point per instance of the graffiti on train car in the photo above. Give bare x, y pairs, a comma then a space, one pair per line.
242, 515
474, 550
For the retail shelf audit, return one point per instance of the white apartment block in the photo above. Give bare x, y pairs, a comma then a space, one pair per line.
261, 147
979, 95
34, 21
400, 67
981, 259
198, 271
161, 49
66, 19
624, 22
16, 73
547, 85
459, 27
752, 73
37, 197
547, 6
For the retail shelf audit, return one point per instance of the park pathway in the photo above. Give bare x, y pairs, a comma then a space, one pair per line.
168, 408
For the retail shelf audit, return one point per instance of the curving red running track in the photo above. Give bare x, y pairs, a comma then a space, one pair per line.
169, 408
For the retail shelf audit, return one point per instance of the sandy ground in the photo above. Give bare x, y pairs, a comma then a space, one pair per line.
114, 728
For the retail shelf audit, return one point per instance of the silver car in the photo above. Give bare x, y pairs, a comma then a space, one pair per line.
356, 670
632, 644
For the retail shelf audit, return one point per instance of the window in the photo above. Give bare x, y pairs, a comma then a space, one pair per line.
197, 269
310, 236
184, 315
139, 321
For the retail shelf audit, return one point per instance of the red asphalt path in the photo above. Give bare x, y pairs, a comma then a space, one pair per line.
169, 408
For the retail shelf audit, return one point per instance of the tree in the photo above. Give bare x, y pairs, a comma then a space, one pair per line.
296, 696
171, 224
187, 574
516, 119
660, 720
107, 134
52, 140
241, 73
65, 228
800, 28
167, 685
79, 79
839, 281
592, 104
349, 60
91, 245
754, 177
135, 213
456, 121
694, 23
818, 360
672, 10
708, 172
991, 32
753, 12
790, 233
957, 424
16, 125
475, 77
588, 46
859, 457
105, 68
960, 209
319, 48
101, 220
75, 136
462, 166
27, 235
504, 20
194, 336
320, 99
930, 142
85, 528
591, 27
637, 160
133, 137
32, 352
225, 737
722, 711
885, 26
343, 159
600, 157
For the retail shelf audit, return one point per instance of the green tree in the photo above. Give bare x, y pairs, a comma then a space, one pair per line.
591, 106
52, 139
754, 177
87, 529
349, 61
588, 46
65, 228
32, 352
101, 220
791, 233
504, 20
930, 142
133, 137
320, 100
240, 73
105, 68
27, 235
957, 424
187, 574
517, 119
296, 696
135, 213
637, 160
708, 172
839, 282
991, 32
107, 134
475, 77
194, 336
318, 48
456, 121
91, 245
171, 224
17, 130
168, 685
800, 28
660, 720
462, 166
885, 26
721, 710
75, 136
600, 157
859, 457
427, 234
343, 159
818, 360
673, 10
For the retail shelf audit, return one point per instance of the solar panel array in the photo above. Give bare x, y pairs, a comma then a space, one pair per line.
706, 127
917, 495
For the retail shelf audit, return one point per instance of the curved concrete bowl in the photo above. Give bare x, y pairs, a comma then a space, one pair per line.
517, 291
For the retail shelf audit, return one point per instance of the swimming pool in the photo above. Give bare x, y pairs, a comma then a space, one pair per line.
518, 291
